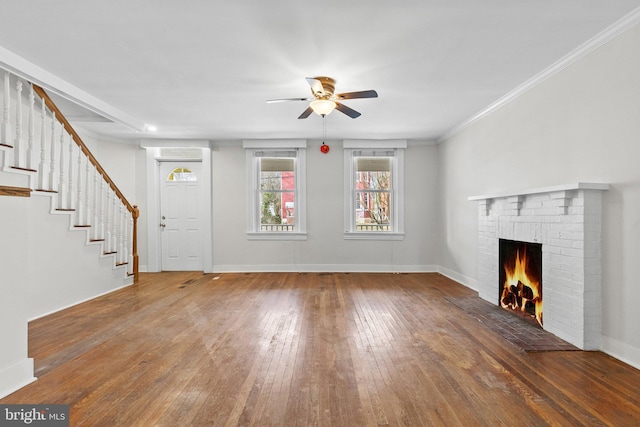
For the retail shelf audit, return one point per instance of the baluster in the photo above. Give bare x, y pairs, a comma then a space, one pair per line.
96, 198
70, 180
100, 206
121, 239
5, 138
61, 190
107, 221
87, 193
17, 154
42, 185
52, 168
32, 129
79, 194
125, 239
114, 224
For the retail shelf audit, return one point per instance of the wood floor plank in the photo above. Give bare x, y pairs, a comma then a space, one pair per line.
300, 349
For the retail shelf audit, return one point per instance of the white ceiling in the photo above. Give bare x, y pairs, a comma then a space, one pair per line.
203, 69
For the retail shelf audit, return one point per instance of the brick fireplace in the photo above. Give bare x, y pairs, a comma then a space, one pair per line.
566, 220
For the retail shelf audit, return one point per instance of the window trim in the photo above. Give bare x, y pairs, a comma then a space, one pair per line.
253, 216
397, 189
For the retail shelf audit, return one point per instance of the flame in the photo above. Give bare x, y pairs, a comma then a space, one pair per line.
519, 288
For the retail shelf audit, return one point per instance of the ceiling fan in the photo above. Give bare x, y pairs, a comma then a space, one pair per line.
324, 100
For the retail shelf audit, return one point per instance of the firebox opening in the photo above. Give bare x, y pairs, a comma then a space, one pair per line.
520, 279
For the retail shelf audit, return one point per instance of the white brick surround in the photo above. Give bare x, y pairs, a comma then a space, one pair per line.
567, 221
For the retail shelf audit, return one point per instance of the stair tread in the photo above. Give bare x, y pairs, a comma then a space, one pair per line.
23, 169
15, 191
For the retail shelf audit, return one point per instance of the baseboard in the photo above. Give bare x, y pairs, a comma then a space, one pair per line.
16, 376
460, 278
621, 351
325, 268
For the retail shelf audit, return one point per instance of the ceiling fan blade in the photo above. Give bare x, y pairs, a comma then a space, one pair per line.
306, 113
316, 87
346, 110
271, 101
359, 94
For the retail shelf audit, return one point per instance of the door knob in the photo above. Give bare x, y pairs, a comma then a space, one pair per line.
163, 225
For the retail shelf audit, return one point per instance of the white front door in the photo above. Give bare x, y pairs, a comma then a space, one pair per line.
180, 219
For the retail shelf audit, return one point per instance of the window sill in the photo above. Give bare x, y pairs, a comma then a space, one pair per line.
275, 235
375, 235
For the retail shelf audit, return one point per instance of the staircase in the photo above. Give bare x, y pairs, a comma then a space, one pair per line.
42, 155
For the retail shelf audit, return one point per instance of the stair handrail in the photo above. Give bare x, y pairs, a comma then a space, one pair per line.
133, 209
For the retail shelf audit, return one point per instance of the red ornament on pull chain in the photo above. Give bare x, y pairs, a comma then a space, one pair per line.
324, 148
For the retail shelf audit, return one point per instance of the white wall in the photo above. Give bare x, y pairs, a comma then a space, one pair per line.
582, 124
325, 249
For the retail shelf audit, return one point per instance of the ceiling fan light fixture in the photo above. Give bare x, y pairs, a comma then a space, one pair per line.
322, 107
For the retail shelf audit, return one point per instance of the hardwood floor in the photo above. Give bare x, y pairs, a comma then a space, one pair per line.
183, 349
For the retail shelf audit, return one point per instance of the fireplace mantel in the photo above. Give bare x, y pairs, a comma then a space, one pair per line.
566, 220
566, 187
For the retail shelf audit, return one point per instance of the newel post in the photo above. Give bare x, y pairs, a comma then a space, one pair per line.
135, 214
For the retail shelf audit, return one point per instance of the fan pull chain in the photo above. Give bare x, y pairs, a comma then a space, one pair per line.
324, 128
324, 148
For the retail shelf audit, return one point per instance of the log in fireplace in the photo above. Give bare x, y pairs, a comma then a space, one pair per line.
520, 278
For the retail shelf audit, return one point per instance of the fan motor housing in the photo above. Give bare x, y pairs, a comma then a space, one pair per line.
329, 86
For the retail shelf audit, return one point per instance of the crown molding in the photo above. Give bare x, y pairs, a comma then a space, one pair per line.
604, 37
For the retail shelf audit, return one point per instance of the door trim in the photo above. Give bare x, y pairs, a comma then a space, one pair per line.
154, 241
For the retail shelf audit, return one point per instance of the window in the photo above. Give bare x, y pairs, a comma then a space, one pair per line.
182, 174
374, 189
276, 200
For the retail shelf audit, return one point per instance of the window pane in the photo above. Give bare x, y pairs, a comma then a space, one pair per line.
277, 174
182, 174
270, 181
277, 211
373, 180
373, 211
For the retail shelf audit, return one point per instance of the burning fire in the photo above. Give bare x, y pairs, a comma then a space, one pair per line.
520, 291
